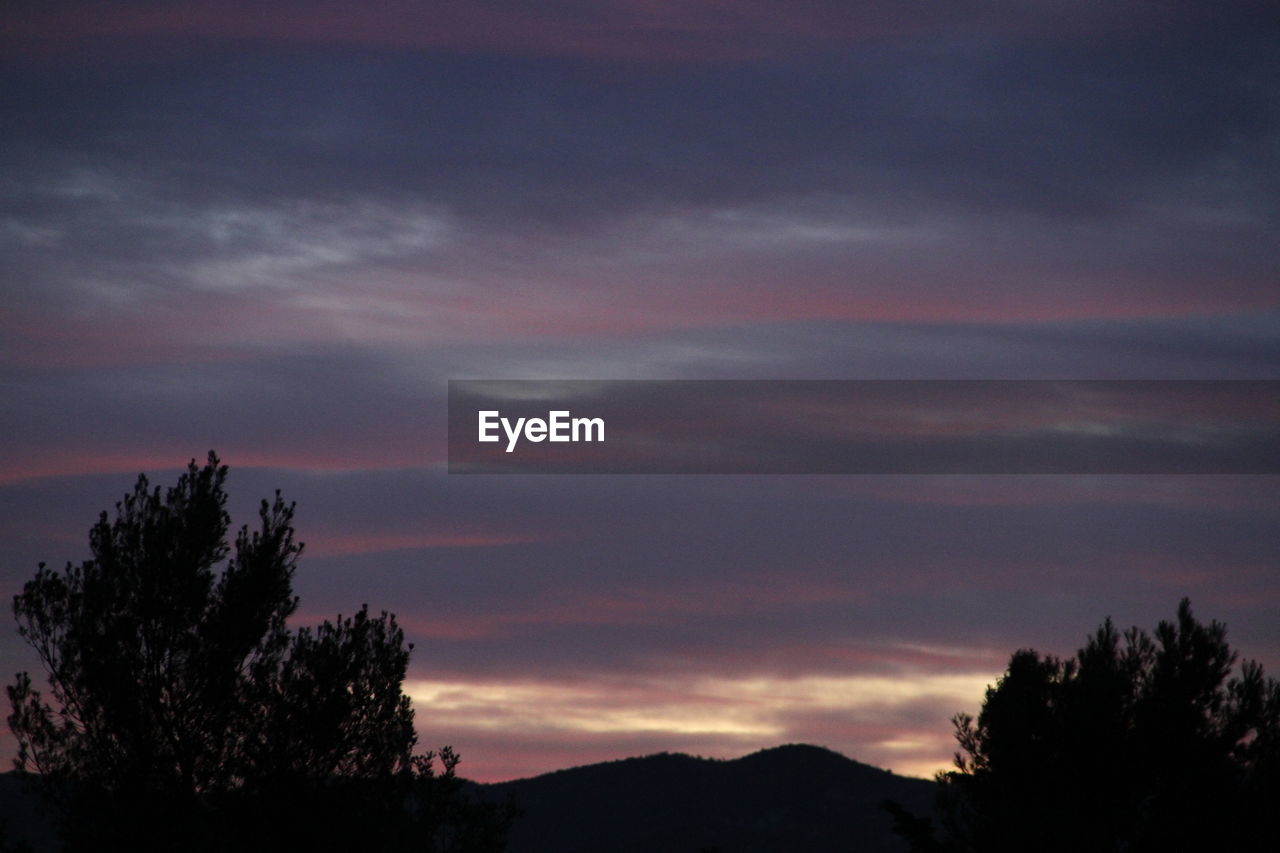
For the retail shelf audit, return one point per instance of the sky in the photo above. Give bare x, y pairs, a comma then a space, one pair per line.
277, 231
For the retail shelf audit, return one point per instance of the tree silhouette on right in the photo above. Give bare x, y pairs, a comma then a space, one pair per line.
1140, 742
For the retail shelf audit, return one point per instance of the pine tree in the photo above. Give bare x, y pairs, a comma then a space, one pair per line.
184, 713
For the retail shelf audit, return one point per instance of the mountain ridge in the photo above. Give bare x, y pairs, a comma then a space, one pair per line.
795, 797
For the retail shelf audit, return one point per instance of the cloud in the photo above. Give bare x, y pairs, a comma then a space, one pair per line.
871, 718
650, 31
719, 615
277, 231
406, 199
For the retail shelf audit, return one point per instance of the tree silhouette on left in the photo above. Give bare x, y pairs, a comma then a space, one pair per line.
184, 713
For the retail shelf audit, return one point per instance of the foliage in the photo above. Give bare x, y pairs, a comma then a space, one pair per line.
184, 713
1137, 743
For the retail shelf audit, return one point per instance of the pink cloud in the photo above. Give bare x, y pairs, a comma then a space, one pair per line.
38, 463
644, 30
1014, 490
901, 716
344, 544
632, 606
630, 30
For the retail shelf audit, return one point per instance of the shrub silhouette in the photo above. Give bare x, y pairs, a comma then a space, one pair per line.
1137, 743
184, 713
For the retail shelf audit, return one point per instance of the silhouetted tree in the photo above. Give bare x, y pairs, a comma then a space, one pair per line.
183, 713
1137, 743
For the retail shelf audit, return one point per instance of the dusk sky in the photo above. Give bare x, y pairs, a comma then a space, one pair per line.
278, 229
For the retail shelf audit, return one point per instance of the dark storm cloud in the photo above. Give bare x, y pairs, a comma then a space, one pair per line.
967, 155
1226, 347
1056, 128
651, 30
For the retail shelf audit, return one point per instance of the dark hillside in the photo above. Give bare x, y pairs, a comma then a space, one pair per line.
790, 798
23, 816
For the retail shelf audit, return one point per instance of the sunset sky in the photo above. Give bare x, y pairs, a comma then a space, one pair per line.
278, 229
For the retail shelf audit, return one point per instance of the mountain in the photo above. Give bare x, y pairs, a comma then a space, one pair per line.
790, 798
23, 816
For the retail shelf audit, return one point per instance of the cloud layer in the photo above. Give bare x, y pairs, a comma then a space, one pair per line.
279, 231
